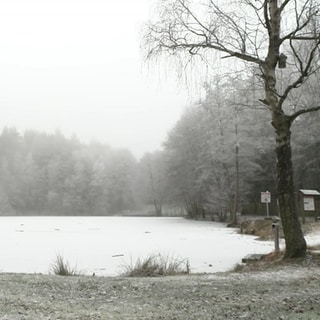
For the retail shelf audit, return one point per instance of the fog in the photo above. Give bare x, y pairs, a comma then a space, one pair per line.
76, 66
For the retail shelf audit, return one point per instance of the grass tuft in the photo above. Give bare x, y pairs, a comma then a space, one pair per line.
157, 265
62, 268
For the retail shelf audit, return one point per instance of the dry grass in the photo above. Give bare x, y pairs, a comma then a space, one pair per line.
157, 265
62, 268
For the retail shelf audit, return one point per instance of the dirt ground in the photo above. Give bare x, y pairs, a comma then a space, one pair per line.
281, 292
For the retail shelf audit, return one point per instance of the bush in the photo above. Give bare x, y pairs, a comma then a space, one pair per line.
157, 265
62, 268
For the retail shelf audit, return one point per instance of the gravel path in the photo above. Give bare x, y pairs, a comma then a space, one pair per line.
288, 293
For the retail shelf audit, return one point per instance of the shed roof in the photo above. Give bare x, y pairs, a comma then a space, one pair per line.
309, 192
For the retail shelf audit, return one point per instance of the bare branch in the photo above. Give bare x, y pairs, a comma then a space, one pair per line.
181, 29
303, 19
304, 70
266, 17
218, 47
303, 111
284, 4
305, 38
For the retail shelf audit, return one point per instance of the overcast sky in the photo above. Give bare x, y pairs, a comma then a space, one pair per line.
75, 65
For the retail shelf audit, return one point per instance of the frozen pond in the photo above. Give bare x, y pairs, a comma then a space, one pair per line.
104, 244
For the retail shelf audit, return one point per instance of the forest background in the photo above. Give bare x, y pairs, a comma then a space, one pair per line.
216, 159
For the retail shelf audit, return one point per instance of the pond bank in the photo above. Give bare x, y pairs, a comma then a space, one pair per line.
289, 292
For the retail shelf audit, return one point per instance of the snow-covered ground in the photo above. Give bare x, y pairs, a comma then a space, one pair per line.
103, 245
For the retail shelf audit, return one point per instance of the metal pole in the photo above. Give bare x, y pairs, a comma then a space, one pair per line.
276, 237
267, 203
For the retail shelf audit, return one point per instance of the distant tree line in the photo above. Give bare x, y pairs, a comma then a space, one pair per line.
49, 174
215, 161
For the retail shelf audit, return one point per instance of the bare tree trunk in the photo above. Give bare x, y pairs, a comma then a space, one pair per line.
158, 208
236, 194
295, 242
294, 238
157, 203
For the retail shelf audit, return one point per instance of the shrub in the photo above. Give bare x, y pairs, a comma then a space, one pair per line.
62, 268
157, 265
239, 267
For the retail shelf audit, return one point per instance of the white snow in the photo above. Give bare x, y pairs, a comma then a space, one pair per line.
103, 245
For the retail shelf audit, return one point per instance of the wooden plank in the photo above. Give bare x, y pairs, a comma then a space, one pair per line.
252, 257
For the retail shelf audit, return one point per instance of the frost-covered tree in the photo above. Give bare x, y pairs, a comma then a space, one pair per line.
212, 150
152, 180
269, 34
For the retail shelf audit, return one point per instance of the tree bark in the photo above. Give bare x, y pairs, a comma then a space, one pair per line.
234, 219
294, 239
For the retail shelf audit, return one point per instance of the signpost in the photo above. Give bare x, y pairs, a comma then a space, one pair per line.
308, 203
266, 198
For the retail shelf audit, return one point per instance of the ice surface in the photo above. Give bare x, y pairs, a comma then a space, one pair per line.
103, 245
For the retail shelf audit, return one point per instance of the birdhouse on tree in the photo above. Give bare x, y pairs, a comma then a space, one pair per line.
282, 62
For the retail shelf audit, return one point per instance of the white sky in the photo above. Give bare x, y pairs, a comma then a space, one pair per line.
75, 65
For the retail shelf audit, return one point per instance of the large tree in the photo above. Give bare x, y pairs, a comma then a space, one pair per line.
264, 33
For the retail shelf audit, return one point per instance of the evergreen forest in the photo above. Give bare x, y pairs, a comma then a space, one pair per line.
216, 159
